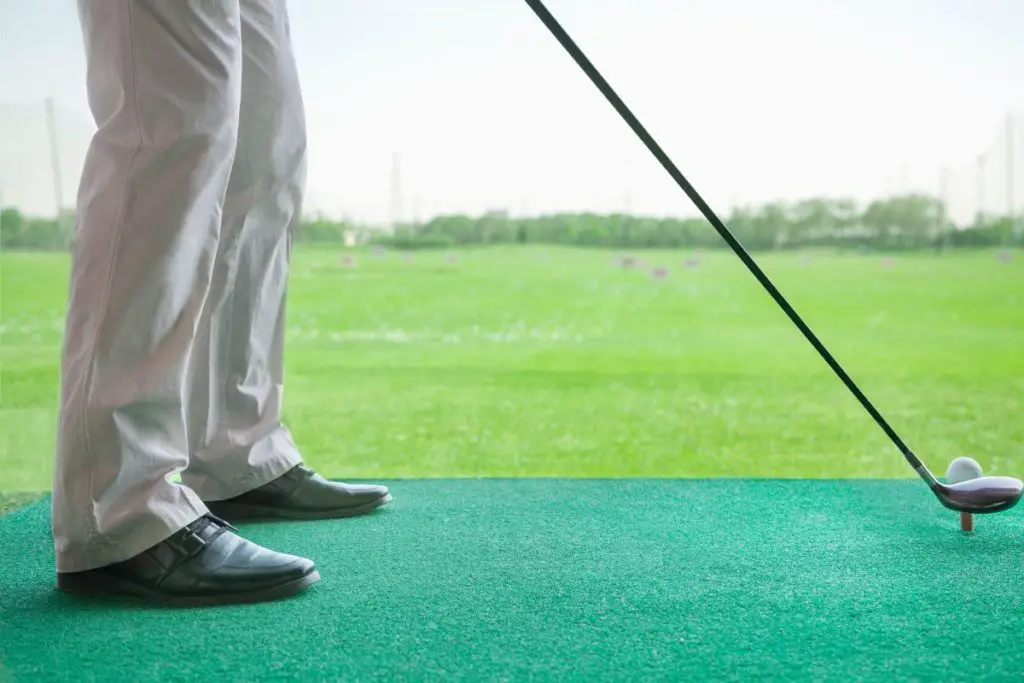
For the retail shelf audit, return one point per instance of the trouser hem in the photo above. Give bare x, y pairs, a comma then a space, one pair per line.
99, 552
211, 489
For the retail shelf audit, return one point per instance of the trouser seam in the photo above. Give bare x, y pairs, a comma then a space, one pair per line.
223, 418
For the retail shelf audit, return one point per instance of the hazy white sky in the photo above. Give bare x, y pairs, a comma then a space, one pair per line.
754, 99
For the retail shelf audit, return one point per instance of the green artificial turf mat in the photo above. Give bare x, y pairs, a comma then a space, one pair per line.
554, 579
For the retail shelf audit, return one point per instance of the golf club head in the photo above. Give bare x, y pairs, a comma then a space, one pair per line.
982, 495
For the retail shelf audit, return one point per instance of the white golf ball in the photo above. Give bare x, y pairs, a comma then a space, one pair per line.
962, 469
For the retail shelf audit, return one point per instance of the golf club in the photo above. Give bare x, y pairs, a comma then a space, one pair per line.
979, 496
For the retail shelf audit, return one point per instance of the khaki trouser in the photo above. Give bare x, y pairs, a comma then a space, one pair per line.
192, 186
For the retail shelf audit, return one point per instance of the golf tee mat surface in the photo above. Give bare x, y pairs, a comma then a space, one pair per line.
555, 579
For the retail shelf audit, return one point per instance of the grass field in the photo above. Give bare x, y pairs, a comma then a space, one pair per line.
557, 362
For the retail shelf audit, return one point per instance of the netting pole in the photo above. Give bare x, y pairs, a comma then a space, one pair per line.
1011, 209
58, 190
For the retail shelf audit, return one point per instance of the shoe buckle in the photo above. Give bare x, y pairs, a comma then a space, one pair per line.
191, 543
222, 522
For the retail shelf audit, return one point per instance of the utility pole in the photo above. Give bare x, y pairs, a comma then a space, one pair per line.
396, 193
981, 191
523, 220
943, 226
627, 193
58, 190
1011, 208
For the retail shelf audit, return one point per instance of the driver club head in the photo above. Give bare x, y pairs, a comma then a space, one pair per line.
982, 495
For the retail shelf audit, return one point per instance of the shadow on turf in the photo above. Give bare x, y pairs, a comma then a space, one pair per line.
52, 599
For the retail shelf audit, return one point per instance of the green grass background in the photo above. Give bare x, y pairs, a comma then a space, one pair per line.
556, 362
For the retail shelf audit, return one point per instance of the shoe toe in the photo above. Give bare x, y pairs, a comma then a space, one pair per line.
261, 565
295, 567
367, 492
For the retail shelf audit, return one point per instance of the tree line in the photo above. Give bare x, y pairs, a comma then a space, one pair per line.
906, 222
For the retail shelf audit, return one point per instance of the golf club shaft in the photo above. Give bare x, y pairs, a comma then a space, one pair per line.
584, 63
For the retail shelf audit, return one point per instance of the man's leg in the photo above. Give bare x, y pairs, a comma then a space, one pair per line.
164, 83
237, 439
148, 220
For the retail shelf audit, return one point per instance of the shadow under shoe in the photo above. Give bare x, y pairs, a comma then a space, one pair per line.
301, 493
205, 563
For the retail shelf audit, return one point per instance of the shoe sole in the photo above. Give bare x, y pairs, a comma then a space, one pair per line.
100, 585
237, 511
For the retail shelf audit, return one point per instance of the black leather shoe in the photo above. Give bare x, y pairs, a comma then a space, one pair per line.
301, 493
203, 564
